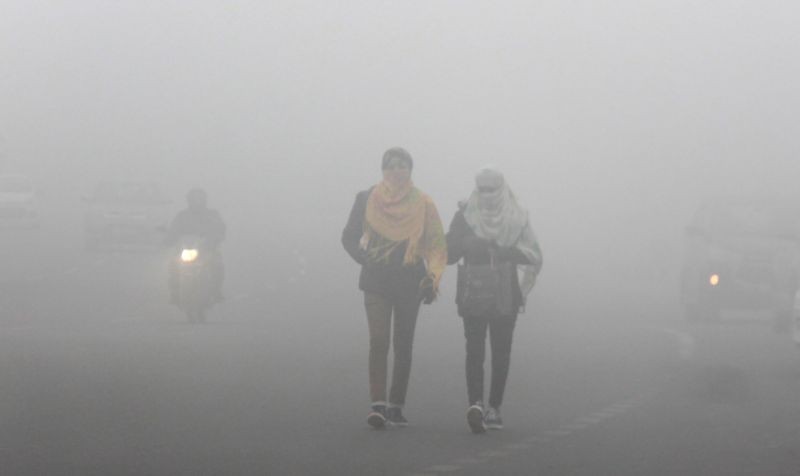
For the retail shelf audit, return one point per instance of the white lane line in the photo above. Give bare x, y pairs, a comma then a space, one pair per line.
572, 427
590, 420
545, 437
605, 414
443, 468
556, 433
516, 446
536, 440
495, 454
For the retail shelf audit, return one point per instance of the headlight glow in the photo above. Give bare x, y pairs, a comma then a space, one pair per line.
713, 280
187, 256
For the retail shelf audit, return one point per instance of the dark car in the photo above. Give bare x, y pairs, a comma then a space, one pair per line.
124, 213
742, 254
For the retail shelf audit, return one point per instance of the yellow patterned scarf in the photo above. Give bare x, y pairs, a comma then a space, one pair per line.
405, 214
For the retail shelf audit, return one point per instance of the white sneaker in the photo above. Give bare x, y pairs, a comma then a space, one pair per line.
475, 419
492, 419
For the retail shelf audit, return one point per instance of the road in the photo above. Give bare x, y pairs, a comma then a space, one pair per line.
98, 375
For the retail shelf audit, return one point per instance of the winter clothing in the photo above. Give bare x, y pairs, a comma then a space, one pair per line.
494, 214
394, 232
379, 317
490, 223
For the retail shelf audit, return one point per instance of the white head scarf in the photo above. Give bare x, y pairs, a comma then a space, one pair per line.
494, 214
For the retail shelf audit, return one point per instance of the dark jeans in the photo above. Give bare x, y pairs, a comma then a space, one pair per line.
379, 317
501, 331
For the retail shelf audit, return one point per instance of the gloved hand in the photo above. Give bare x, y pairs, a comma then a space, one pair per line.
427, 292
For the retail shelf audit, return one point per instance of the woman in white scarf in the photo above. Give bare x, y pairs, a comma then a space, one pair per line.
494, 214
492, 223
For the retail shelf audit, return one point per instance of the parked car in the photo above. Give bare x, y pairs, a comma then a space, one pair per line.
18, 202
124, 213
742, 254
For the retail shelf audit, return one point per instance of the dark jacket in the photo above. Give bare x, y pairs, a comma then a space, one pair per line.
205, 223
462, 242
391, 279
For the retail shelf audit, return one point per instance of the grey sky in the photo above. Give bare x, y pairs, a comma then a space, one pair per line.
639, 106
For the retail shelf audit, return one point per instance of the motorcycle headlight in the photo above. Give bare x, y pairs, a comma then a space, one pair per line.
713, 280
187, 256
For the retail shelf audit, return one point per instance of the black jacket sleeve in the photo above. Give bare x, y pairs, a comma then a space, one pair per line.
354, 230
459, 229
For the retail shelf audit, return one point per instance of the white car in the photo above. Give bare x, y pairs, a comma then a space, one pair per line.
18, 202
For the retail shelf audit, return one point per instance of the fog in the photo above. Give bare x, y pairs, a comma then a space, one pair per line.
612, 121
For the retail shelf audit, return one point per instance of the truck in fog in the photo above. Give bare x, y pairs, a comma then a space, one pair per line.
742, 254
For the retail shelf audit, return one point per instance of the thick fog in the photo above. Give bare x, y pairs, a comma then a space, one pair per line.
612, 121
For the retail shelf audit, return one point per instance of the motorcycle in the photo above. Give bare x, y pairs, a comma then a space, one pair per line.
194, 280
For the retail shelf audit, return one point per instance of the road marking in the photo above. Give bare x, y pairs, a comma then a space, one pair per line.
575, 426
590, 420
545, 437
517, 446
557, 433
443, 468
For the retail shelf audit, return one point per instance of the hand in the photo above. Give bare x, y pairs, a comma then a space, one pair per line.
427, 292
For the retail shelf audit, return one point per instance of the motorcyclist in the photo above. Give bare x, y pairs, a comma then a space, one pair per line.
198, 220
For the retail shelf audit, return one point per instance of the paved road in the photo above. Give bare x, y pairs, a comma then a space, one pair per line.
99, 376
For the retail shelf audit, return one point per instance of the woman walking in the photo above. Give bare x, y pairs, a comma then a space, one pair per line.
395, 234
491, 229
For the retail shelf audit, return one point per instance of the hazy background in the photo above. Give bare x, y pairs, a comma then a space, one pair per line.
611, 119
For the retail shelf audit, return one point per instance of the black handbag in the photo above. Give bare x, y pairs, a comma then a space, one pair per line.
485, 290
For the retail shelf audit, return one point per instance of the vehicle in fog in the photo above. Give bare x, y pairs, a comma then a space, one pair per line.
796, 320
195, 292
742, 254
125, 213
18, 202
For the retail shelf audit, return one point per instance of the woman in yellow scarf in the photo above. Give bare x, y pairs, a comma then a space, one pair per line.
395, 234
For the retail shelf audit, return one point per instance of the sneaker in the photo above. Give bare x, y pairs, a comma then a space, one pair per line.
395, 417
492, 419
377, 417
475, 418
